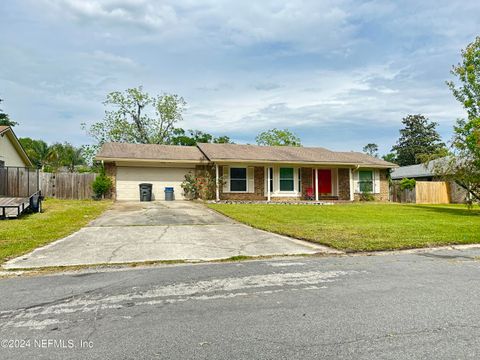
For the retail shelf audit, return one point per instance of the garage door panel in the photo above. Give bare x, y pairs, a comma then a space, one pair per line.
128, 179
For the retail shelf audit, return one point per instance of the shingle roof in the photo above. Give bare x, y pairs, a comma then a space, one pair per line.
150, 152
416, 171
234, 152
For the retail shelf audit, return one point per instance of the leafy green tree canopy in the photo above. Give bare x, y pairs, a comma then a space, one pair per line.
5, 119
464, 166
180, 137
52, 157
418, 138
390, 157
467, 72
135, 116
277, 137
371, 149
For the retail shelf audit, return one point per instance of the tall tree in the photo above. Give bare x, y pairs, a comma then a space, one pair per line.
135, 116
418, 138
5, 119
277, 137
38, 151
371, 149
180, 137
464, 166
54, 156
390, 157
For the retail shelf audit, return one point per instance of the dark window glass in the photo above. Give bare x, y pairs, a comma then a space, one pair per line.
238, 185
286, 179
238, 179
271, 179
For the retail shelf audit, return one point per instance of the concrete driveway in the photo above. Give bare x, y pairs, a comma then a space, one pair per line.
161, 231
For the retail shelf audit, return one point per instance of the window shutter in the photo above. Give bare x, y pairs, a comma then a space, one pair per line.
356, 183
226, 179
251, 179
376, 181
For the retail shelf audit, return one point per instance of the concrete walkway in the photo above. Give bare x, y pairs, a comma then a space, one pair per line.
161, 231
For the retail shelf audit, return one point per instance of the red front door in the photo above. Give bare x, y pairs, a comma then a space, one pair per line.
324, 181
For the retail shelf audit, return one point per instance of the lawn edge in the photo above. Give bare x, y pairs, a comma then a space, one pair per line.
346, 250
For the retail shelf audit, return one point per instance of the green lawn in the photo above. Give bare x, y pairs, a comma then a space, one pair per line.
58, 219
364, 226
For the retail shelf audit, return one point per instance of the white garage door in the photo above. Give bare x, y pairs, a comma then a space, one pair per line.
128, 179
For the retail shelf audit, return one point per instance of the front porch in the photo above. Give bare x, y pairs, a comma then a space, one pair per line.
283, 183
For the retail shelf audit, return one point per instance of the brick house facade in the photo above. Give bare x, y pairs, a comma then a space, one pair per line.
246, 172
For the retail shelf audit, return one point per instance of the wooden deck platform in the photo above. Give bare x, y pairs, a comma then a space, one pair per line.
11, 207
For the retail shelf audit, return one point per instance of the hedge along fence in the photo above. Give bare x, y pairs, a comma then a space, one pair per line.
72, 186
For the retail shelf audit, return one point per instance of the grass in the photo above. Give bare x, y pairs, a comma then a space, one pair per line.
364, 226
58, 219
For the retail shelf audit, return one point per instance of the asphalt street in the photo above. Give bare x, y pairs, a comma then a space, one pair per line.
396, 306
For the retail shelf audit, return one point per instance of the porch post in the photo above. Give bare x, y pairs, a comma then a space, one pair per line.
316, 184
268, 184
217, 184
352, 190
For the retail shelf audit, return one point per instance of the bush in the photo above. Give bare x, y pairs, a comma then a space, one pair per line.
101, 186
407, 184
202, 185
189, 186
366, 196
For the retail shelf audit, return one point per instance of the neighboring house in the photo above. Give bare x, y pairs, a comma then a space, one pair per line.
11, 151
249, 172
425, 172
419, 172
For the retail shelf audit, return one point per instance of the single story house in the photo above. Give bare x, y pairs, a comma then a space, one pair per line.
11, 151
247, 172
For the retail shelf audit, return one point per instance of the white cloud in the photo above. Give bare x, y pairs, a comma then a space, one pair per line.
242, 66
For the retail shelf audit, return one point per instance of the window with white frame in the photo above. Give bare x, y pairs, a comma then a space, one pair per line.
238, 179
365, 181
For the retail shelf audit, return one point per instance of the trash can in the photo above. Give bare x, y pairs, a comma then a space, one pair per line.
169, 194
145, 192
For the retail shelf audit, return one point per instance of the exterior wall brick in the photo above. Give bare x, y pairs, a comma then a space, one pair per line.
259, 189
384, 194
111, 172
344, 184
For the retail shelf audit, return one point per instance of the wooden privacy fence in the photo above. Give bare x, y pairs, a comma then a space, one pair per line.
425, 192
67, 185
432, 192
18, 181
23, 182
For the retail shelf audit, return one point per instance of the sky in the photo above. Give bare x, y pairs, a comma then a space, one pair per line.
339, 73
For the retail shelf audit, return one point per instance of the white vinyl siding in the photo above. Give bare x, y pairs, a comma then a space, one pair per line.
8, 153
